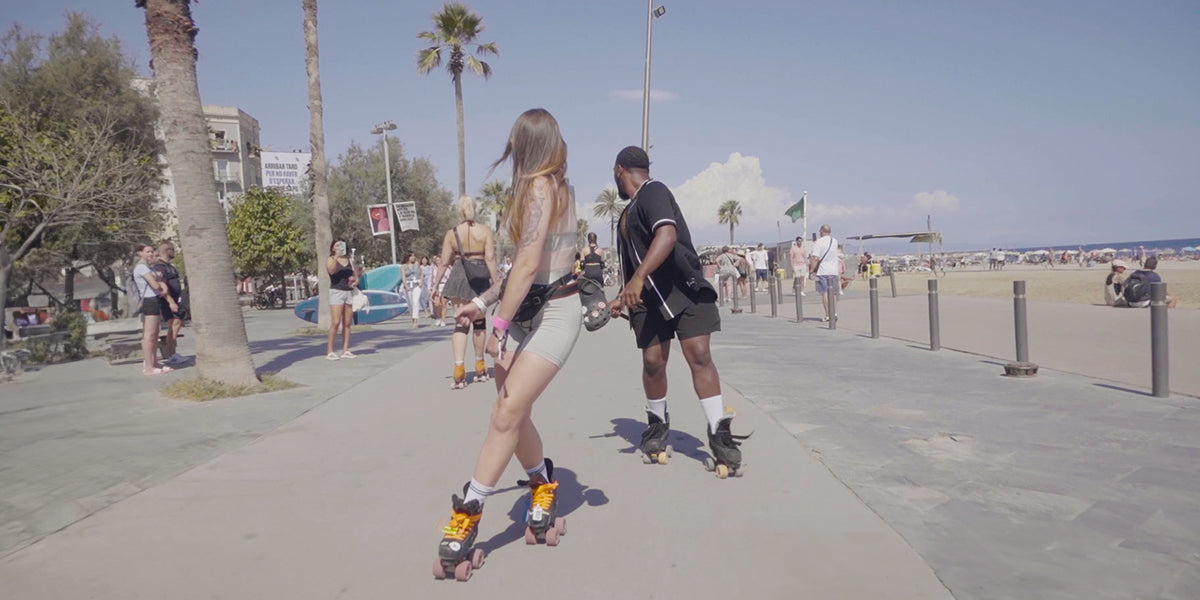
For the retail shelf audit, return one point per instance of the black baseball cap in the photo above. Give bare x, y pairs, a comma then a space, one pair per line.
633, 157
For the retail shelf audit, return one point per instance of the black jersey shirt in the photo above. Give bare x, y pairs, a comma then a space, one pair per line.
677, 283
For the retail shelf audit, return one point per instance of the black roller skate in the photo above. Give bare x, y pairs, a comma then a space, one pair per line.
654, 440
726, 459
541, 520
457, 555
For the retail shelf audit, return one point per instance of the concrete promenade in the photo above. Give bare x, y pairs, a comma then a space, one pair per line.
876, 470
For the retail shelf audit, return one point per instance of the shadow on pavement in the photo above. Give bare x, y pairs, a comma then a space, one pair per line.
299, 348
631, 431
571, 496
1124, 389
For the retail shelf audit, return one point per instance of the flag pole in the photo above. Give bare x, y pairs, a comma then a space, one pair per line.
804, 201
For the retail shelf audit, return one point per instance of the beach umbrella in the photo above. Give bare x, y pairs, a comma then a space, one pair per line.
1168, 251
1107, 251
1188, 249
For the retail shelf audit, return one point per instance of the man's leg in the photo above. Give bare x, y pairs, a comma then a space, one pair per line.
654, 369
173, 327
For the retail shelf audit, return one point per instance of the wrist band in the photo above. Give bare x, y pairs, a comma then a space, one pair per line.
480, 303
499, 324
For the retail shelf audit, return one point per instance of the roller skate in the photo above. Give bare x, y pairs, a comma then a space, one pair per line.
595, 304
726, 459
481, 374
460, 377
654, 440
542, 522
456, 555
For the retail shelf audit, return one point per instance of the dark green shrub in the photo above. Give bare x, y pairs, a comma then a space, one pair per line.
74, 345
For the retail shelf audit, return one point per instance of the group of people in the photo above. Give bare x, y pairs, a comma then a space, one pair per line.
160, 293
537, 316
1132, 289
996, 259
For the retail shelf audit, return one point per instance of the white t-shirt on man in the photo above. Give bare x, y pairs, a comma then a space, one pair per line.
758, 258
826, 247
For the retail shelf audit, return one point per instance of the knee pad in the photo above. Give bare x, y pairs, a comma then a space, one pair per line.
480, 325
462, 329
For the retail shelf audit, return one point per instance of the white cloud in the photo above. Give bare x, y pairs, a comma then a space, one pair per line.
655, 95
739, 178
935, 200
818, 210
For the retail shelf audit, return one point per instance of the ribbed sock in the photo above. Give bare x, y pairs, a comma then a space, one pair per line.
658, 407
714, 410
478, 491
540, 469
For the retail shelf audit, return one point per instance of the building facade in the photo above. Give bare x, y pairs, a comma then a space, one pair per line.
233, 137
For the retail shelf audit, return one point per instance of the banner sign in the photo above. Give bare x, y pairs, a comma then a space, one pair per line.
380, 223
406, 215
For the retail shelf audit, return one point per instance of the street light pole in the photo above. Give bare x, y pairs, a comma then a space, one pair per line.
651, 14
383, 128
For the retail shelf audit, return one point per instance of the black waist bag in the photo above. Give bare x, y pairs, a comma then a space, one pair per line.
541, 293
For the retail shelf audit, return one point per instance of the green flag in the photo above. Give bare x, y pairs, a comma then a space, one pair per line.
796, 211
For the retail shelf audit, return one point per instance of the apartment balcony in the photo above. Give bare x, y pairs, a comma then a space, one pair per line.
222, 145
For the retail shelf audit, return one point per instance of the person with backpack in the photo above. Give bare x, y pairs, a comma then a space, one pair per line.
1136, 289
150, 289
173, 317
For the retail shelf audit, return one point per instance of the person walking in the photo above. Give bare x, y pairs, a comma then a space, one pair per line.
540, 309
727, 273
410, 282
470, 248
592, 263
173, 317
823, 263
427, 290
799, 259
342, 281
762, 274
667, 296
150, 289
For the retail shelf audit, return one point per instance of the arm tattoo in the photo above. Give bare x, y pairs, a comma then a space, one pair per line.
533, 214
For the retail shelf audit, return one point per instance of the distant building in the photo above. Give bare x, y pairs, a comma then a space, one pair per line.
233, 138
286, 171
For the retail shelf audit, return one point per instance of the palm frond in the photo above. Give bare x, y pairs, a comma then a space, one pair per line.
428, 59
488, 48
430, 37
478, 67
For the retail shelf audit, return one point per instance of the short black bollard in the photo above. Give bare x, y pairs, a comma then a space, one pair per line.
1022, 367
935, 328
892, 276
874, 308
737, 310
754, 295
774, 298
1160, 365
799, 300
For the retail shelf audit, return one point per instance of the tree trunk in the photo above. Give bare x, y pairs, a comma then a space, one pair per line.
462, 146
4, 271
730, 233
222, 351
69, 287
323, 231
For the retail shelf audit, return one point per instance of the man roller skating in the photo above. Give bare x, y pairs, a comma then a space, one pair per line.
667, 296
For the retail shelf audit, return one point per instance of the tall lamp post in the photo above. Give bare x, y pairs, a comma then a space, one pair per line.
383, 128
651, 14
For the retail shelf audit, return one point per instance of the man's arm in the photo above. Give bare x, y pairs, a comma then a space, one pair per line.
660, 249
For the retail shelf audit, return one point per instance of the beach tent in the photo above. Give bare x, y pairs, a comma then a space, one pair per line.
1107, 251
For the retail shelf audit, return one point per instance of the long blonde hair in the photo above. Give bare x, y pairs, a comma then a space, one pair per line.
537, 149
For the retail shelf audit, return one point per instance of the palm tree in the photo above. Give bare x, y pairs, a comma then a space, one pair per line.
323, 230
608, 205
455, 28
730, 212
491, 199
222, 352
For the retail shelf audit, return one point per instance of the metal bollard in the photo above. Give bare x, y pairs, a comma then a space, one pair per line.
799, 300
935, 328
778, 286
734, 291
774, 299
892, 276
1160, 365
1022, 367
831, 295
754, 295
874, 308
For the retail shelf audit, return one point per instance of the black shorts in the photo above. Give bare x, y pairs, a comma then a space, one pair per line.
650, 327
164, 308
150, 307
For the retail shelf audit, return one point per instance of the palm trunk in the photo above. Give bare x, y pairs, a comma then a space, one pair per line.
462, 145
323, 231
222, 351
730, 233
4, 271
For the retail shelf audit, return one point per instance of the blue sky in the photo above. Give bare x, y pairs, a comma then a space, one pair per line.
1012, 124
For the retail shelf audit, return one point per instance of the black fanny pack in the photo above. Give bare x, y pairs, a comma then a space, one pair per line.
541, 293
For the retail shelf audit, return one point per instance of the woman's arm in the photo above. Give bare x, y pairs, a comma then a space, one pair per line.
489, 257
534, 227
331, 265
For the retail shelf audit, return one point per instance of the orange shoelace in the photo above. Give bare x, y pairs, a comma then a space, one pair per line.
543, 495
460, 525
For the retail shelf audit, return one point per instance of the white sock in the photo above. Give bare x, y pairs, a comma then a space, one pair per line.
540, 469
478, 491
658, 407
714, 410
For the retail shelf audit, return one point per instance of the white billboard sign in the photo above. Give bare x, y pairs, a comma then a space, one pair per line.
286, 171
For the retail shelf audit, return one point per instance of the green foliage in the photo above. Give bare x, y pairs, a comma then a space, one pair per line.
358, 180
74, 346
455, 28
200, 389
264, 236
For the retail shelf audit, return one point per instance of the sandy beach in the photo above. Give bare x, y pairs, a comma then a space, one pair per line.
1063, 283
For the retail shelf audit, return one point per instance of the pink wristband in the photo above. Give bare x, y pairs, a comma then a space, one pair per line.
500, 323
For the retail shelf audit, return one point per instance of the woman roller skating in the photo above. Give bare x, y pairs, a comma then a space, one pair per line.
539, 308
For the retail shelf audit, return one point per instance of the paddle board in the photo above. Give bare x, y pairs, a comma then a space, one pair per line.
383, 306
384, 279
